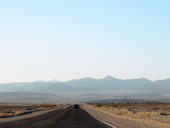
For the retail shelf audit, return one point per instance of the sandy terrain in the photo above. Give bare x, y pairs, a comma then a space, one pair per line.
131, 117
10, 113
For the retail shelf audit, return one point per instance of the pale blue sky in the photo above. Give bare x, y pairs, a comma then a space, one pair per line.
66, 39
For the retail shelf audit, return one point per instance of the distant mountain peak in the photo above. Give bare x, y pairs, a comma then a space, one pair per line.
109, 78
140, 79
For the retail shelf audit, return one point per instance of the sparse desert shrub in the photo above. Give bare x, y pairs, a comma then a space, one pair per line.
98, 104
115, 105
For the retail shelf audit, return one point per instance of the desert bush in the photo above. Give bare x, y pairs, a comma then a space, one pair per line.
98, 104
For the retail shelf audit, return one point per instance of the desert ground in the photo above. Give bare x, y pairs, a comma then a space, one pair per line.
7, 111
95, 115
136, 115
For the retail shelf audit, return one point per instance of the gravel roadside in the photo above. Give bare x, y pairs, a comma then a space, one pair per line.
11, 119
119, 121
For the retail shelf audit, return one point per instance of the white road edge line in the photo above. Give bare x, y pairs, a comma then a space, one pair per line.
102, 120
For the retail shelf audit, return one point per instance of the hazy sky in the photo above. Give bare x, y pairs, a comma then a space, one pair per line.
65, 39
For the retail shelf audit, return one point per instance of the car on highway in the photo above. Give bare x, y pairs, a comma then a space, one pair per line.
76, 106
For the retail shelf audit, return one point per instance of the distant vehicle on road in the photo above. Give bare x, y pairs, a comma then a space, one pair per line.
76, 106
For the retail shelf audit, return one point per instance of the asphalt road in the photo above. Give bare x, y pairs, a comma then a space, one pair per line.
62, 118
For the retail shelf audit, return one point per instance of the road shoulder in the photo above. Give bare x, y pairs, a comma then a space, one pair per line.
119, 121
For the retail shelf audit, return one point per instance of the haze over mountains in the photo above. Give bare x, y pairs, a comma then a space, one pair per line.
84, 89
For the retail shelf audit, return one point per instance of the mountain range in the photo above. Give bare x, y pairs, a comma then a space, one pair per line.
85, 89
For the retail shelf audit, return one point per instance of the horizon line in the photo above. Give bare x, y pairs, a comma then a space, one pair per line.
96, 78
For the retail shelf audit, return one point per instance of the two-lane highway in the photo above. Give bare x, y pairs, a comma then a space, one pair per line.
64, 118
